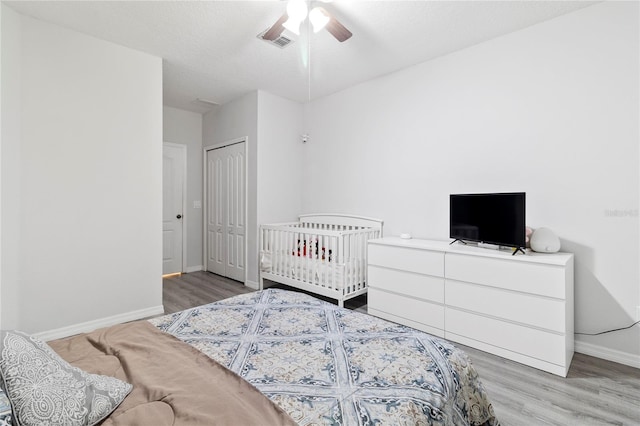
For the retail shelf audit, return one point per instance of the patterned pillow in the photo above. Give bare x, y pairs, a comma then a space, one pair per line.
44, 389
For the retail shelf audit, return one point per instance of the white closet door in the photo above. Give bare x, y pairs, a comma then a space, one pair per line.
235, 211
215, 210
226, 228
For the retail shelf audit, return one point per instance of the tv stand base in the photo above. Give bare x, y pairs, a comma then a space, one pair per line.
517, 249
490, 246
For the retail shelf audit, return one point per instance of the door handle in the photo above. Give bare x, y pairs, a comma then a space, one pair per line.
179, 216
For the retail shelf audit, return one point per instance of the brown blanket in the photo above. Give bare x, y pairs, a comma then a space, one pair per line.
173, 383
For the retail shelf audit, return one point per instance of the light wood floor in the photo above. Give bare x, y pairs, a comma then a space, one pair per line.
596, 392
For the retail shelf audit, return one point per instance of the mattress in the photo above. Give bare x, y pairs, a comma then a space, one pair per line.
324, 364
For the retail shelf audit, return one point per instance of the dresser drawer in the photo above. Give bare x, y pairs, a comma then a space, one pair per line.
545, 346
535, 278
407, 283
525, 308
427, 313
407, 259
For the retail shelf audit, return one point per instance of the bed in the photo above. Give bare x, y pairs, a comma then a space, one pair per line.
311, 361
325, 254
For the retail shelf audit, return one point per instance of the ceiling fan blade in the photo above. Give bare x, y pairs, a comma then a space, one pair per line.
339, 31
277, 29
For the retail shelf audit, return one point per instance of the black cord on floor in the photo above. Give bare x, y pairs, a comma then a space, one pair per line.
609, 331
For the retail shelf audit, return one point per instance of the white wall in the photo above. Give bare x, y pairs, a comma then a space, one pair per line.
238, 119
551, 110
10, 217
0, 171
88, 178
185, 128
280, 150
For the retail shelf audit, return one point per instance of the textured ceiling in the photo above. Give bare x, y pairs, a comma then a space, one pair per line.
210, 49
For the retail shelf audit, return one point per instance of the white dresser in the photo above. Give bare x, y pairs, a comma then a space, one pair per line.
518, 307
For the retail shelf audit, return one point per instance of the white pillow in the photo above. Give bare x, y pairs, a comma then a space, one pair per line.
44, 389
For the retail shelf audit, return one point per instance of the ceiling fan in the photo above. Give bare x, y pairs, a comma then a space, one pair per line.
296, 13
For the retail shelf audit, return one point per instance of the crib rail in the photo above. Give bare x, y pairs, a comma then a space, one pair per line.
330, 259
343, 221
303, 254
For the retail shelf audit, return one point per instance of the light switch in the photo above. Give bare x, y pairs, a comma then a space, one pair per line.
197, 204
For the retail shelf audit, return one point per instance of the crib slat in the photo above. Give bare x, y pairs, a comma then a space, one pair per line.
326, 260
291, 247
361, 256
354, 259
339, 266
300, 244
286, 253
275, 249
280, 254
294, 251
356, 263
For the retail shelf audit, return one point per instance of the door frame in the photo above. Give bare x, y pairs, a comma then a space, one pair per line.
183, 148
205, 191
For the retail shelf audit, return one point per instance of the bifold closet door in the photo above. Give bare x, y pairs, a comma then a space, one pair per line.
226, 207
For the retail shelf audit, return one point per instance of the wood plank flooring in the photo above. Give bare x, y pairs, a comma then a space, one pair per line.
199, 288
596, 392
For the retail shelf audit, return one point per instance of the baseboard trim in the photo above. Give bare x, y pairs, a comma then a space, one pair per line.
194, 268
84, 327
608, 354
252, 284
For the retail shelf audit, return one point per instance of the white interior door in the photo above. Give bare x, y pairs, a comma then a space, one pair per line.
234, 219
173, 180
216, 206
226, 210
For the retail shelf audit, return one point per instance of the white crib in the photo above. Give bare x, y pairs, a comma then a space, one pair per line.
322, 253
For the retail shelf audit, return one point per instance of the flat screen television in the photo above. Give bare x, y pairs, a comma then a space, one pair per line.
497, 218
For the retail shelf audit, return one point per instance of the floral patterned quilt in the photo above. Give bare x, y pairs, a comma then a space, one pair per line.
328, 365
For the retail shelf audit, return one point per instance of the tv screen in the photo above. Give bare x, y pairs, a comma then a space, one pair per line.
488, 218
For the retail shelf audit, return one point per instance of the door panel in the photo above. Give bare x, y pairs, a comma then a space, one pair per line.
173, 169
235, 219
240, 250
215, 210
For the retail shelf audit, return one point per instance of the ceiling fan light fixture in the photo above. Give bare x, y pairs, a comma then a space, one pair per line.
319, 18
293, 26
297, 10
296, 14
